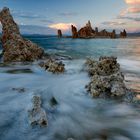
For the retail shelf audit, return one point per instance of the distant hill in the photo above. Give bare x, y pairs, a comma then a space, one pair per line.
134, 34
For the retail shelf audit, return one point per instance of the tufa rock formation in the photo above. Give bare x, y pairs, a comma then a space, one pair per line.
74, 32
15, 47
59, 33
123, 34
37, 115
88, 32
53, 66
106, 79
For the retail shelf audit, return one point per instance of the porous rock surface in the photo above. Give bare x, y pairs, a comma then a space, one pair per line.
53, 66
37, 115
15, 47
107, 81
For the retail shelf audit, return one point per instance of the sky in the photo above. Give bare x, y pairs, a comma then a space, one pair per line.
46, 16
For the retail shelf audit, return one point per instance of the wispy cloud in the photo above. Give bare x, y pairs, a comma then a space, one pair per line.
68, 14
130, 10
129, 18
33, 29
62, 26
27, 15
113, 23
47, 21
30, 15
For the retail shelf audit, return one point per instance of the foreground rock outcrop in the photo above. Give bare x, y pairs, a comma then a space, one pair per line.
106, 79
37, 115
15, 47
53, 66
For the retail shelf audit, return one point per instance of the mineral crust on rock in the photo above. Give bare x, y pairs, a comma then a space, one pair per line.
15, 47
37, 115
107, 81
53, 66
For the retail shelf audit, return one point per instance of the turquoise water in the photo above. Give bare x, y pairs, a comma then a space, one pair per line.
77, 115
126, 50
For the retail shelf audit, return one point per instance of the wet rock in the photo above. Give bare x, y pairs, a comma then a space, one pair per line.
105, 66
37, 115
19, 71
15, 47
74, 32
59, 34
106, 79
20, 90
53, 102
70, 139
53, 66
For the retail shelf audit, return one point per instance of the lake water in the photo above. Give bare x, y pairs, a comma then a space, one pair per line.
77, 115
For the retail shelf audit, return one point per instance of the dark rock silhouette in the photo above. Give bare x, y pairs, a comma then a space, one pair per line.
59, 34
74, 31
96, 30
15, 47
123, 34
88, 32
113, 34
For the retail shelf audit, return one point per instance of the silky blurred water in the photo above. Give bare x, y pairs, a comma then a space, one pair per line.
77, 115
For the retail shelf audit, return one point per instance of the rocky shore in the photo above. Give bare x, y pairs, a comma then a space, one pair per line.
15, 47
18, 49
107, 80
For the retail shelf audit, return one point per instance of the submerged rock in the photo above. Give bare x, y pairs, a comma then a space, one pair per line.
20, 90
53, 66
15, 47
53, 101
37, 114
107, 81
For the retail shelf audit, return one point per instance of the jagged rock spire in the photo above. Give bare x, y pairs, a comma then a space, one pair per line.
15, 47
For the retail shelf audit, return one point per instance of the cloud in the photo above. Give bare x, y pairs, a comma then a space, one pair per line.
137, 19
33, 29
133, 10
62, 26
27, 15
133, 2
130, 10
68, 14
47, 21
113, 23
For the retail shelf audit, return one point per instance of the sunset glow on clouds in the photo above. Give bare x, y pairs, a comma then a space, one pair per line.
62, 26
132, 1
